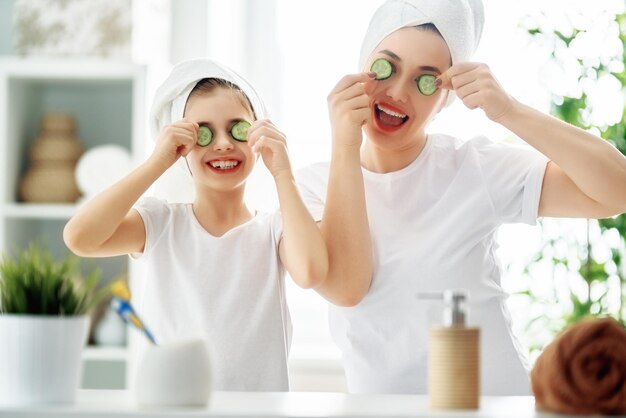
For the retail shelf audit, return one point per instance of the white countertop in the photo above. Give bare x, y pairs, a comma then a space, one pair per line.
114, 403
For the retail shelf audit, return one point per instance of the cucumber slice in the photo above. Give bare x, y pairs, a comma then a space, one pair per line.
426, 84
382, 68
239, 131
205, 136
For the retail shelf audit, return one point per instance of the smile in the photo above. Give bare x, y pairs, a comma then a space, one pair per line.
389, 118
224, 165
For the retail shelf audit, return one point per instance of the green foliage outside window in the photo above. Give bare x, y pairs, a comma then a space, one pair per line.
588, 273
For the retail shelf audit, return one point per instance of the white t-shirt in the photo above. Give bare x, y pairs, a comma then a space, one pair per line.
433, 226
229, 290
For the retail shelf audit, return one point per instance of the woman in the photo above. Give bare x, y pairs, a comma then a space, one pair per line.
403, 211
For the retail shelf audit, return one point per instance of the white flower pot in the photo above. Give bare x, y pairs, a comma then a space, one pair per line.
40, 358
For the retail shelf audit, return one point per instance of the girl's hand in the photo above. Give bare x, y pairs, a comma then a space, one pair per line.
477, 87
266, 139
349, 108
176, 140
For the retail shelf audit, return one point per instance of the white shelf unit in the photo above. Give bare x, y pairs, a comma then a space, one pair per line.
101, 353
108, 101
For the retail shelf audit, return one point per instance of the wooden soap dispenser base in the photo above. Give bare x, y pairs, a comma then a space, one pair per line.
454, 358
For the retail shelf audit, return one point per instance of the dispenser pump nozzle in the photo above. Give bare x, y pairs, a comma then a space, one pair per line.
454, 312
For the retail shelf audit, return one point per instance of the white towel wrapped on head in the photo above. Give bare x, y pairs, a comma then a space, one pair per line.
460, 23
171, 97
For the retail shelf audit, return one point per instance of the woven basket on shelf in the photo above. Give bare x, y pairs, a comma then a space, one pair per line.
54, 154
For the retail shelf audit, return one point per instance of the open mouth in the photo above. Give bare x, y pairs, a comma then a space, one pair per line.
389, 118
224, 166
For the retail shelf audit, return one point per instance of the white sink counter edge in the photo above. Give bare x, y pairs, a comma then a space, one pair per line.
120, 403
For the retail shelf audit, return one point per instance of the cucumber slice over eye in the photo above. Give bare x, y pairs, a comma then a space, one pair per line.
426, 84
239, 131
382, 68
205, 136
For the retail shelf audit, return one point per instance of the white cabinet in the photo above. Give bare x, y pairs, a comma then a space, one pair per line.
108, 102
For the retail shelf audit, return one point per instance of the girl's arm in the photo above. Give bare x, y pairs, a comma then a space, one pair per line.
586, 176
302, 249
106, 226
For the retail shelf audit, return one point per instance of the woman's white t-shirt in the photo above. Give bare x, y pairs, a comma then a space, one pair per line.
433, 226
229, 290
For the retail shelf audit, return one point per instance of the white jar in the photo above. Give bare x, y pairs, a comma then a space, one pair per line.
174, 374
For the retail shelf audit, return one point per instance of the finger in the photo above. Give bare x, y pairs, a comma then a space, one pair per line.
253, 142
263, 143
444, 81
467, 89
276, 149
364, 115
463, 79
473, 101
179, 134
185, 122
191, 126
352, 79
184, 126
252, 129
357, 103
268, 131
262, 122
259, 123
271, 143
184, 150
255, 127
267, 144
265, 128
352, 91
370, 86
185, 144
174, 134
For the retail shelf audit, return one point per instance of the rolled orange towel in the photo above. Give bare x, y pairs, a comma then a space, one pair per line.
583, 371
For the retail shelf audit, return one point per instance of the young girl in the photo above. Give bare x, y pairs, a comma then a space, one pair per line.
213, 267
404, 211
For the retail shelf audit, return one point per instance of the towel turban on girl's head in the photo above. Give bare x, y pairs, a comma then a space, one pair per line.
460, 23
170, 98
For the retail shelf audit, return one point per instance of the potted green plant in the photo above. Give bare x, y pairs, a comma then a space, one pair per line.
43, 326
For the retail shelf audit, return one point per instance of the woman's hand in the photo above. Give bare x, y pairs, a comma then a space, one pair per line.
349, 109
176, 140
266, 139
476, 86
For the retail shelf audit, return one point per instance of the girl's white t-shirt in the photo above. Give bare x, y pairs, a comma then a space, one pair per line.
434, 226
229, 290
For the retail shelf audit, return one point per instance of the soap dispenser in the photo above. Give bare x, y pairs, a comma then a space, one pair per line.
454, 357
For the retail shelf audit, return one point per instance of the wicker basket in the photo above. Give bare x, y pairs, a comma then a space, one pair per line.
54, 154
50, 183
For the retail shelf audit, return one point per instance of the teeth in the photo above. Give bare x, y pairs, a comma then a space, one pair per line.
224, 165
391, 112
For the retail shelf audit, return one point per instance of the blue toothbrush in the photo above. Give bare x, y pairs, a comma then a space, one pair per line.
121, 304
